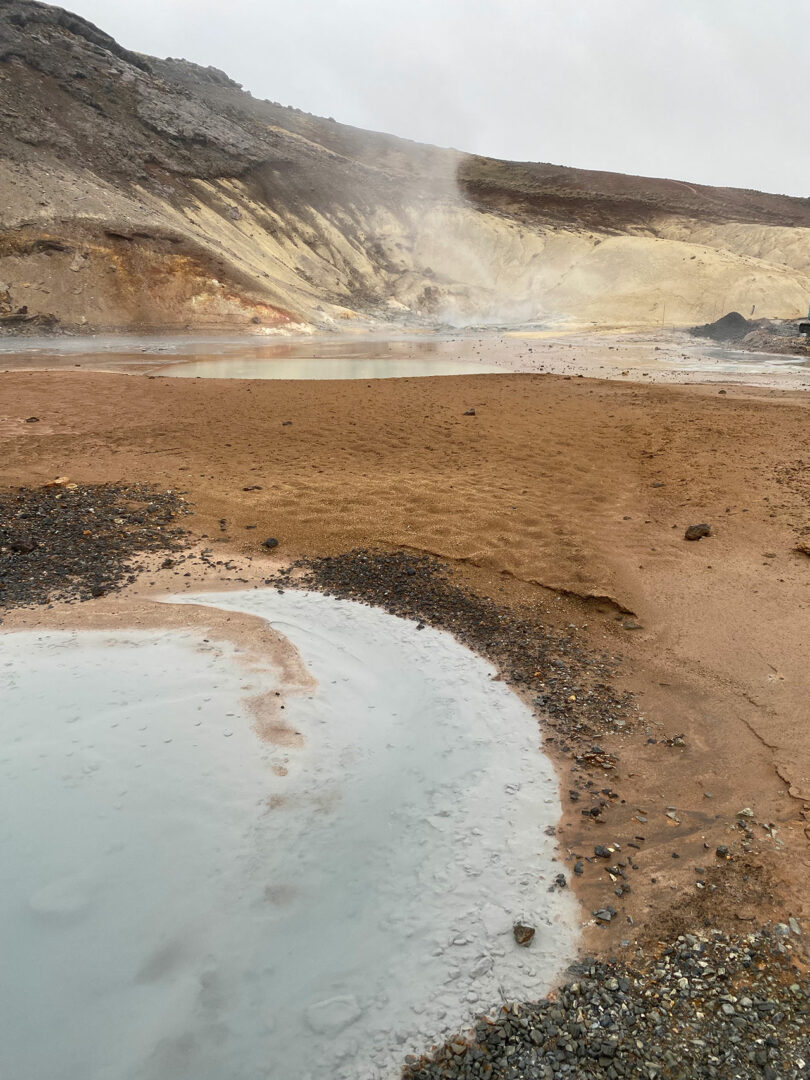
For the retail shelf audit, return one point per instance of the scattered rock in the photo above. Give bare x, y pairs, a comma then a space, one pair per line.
32, 419
604, 915
730, 327
22, 543
675, 740
697, 532
523, 933
86, 538
470, 412
705, 1004
270, 542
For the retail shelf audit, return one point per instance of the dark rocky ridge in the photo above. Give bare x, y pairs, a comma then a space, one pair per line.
149, 171
756, 335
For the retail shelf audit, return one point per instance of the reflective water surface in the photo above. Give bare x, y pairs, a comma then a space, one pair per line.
665, 356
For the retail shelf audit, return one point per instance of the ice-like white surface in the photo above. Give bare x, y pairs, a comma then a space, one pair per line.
183, 901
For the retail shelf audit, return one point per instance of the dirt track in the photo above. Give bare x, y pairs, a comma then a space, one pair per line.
556, 491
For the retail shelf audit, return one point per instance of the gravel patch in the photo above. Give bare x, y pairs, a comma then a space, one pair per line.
708, 1006
77, 541
566, 681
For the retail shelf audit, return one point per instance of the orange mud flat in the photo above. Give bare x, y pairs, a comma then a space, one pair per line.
564, 498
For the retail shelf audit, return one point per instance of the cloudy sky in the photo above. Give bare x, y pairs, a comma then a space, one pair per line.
713, 91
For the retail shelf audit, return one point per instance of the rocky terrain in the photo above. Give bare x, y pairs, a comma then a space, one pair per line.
143, 193
757, 335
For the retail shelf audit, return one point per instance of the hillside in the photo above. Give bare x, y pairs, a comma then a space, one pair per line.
146, 193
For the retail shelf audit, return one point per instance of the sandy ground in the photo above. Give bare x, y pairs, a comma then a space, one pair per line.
556, 491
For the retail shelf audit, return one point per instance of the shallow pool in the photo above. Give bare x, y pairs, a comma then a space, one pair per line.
318, 367
185, 898
193, 357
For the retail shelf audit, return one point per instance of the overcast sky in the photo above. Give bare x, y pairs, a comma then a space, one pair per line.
714, 91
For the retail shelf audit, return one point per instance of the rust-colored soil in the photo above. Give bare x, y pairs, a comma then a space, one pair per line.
558, 494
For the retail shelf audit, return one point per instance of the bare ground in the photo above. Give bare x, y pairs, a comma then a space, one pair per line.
565, 501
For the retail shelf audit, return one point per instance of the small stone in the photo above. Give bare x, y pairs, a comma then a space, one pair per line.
270, 542
604, 914
523, 933
721, 851
22, 543
697, 532
470, 412
794, 926
32, 419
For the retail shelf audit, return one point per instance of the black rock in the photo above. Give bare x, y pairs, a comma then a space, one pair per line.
470, 412
697, 532
270, 542
730, 327
22, 543
605, 914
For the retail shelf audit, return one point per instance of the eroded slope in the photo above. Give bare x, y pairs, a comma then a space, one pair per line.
155, 193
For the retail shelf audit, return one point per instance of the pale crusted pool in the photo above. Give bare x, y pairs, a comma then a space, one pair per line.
185, 899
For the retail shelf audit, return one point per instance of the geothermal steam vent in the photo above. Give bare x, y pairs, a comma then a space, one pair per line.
302, 892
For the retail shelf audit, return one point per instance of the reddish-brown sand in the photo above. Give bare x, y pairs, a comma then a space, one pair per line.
556, 490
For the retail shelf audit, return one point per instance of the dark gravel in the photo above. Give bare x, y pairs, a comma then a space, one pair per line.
566, 681
708, 1006
75, 542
